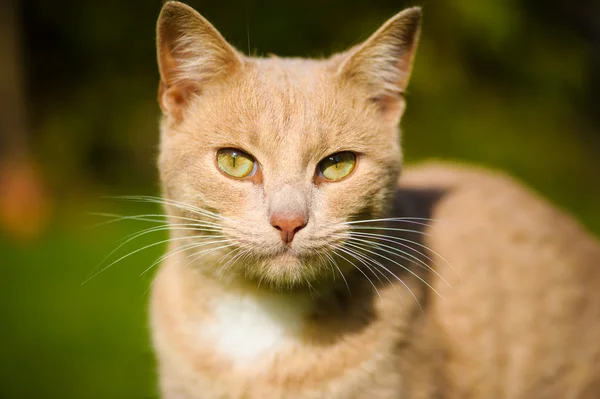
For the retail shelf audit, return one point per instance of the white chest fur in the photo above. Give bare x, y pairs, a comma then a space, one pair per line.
255, 325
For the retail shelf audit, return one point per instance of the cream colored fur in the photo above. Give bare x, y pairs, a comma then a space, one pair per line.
496, 295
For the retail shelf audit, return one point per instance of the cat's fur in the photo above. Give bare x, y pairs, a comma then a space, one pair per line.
521, 321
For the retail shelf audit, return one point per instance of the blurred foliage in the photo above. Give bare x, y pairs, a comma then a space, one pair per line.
509, 84
64, 339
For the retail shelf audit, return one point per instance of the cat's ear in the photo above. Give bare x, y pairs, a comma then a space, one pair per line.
191, 54
382, 64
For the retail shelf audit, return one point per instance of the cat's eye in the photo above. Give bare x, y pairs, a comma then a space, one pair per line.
235, 163
337, 166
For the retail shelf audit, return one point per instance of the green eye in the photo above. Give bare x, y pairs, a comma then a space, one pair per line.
235, 163
337, 166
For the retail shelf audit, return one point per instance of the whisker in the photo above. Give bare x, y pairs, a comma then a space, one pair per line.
143, 218
311, 289
350, 252
415, 220
357, 255
399, 264
180, 249
357, 268
327, 260
402, 254
395, 239
174, 227
222, 258
177, 204
241, 255
339, 271
133, 236
199, 255
138, 250
119, 218
239, 252
390, 229
377, 263
321, 260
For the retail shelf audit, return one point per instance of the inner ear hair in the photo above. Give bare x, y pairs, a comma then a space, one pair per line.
191, 54
383, 63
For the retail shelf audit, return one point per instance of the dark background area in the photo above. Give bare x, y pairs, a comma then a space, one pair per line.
511, 85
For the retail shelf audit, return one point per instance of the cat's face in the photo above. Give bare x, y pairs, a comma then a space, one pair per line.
282, 152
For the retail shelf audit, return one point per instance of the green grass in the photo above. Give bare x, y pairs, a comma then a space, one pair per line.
62, 339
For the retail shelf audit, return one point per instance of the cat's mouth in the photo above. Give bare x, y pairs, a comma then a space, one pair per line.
287, 251
286, 254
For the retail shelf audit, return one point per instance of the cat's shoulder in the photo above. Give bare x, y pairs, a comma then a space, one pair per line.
454, 175
471, 187
479, 202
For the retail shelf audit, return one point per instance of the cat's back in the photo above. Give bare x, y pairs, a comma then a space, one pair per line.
523, 314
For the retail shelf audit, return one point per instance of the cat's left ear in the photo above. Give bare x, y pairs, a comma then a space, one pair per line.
381, 66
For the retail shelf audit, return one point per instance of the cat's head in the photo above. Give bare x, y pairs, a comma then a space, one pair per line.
276, 155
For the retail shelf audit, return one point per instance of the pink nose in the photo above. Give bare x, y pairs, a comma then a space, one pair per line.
288, 225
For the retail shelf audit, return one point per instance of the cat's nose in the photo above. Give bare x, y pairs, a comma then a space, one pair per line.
288, 225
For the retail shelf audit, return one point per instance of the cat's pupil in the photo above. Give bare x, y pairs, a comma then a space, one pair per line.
233, 157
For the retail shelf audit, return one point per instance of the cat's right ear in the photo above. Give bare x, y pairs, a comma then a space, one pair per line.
191, 54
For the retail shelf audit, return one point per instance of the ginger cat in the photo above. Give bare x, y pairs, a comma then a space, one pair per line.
300, 268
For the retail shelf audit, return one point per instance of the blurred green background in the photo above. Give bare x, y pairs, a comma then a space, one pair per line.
510, 84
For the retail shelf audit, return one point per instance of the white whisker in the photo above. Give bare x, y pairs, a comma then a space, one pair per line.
415, 220
200, 254
339, 270
396, 239
177, 204
133, 236
138, 250
239, 252
389, 229
351, 252
154, 218
171, 227
360, 256
396, 263
180, 249
403, 254
377, 263
340, 248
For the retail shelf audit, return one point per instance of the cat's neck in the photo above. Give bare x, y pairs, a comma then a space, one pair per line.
227, 312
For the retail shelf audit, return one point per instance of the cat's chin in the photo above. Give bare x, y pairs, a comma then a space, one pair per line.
287, 269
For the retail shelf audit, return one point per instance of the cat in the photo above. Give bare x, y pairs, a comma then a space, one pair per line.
304, 264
